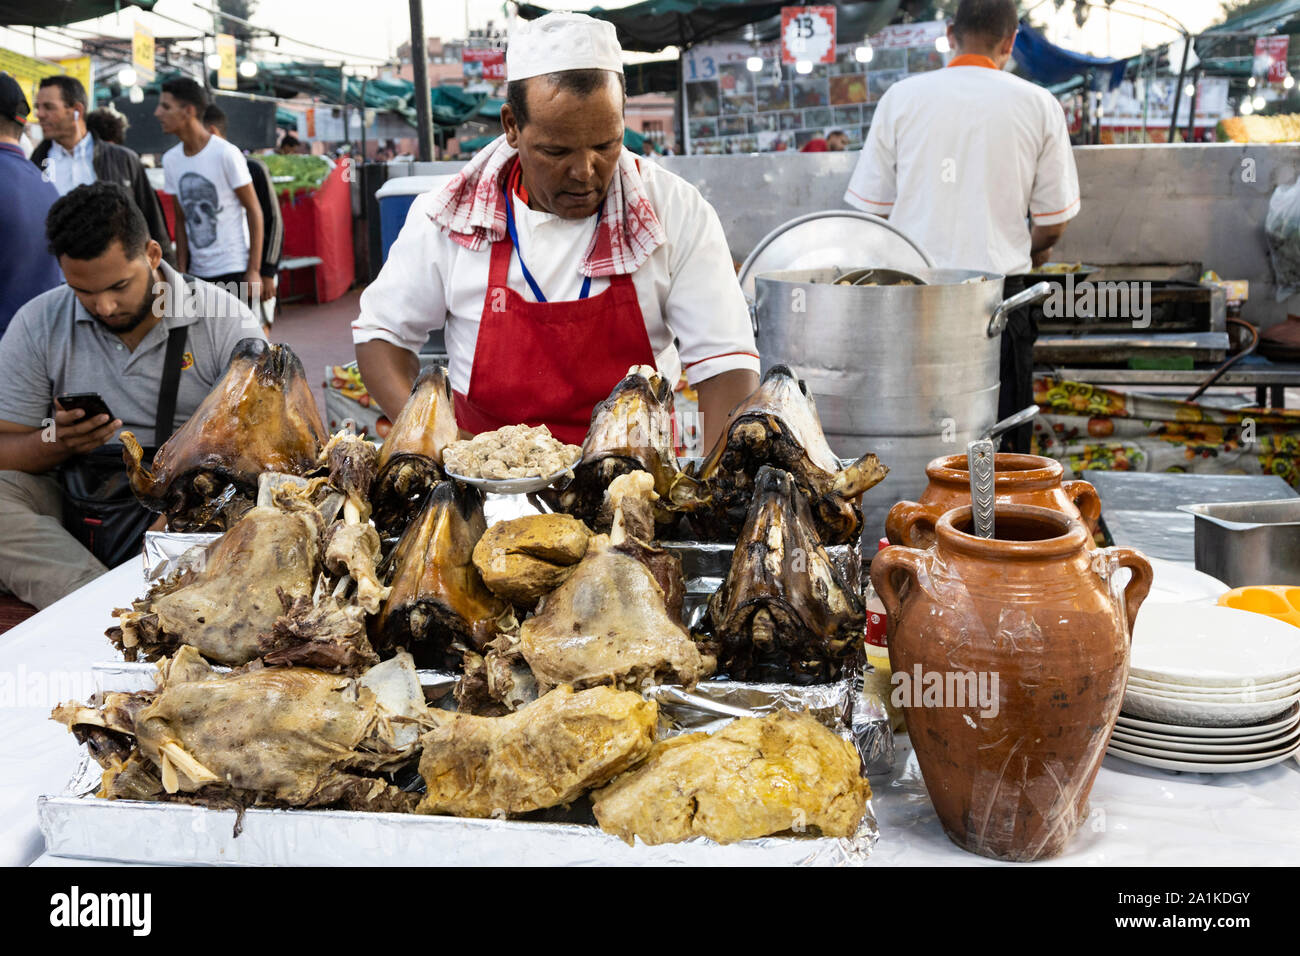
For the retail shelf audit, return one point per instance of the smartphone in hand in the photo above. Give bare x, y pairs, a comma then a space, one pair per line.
89, 402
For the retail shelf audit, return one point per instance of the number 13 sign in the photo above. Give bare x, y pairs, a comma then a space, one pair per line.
808, 33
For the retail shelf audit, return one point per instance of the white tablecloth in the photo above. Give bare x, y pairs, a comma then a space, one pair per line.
1140, 816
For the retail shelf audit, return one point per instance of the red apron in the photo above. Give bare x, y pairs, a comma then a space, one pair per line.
549, 363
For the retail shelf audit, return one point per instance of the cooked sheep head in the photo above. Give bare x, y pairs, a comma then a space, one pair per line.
546, 754
778, 425
438, 597
785, 612
280, 736
261, 416
631, 430
754, 777
235, 598
410, 462
609, 624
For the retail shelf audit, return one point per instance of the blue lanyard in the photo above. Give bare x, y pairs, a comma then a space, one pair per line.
528, 276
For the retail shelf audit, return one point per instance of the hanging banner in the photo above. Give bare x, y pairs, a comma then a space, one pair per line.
227, 72
1270, 58
79, 68
808, 33
310, 122
142, 53
905, 36
29, 72
487, 65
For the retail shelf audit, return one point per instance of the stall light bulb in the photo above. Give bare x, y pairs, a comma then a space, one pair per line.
1189, 90
941, 44
754, 64
1251, 82
127, 77
803, 66
1246, 108
136, 95
864, 53
213, 61
1288, 81
1258, 102
248, 69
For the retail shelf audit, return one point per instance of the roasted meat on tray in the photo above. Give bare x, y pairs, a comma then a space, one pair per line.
544, 755
611, 621
521, 559
261, 416
631, 430
778, 425
437, 596
410, 462
753, 778
352, 544
292, 737
271, 554
785, 612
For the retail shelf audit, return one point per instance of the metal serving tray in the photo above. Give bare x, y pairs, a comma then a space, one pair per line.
77, 824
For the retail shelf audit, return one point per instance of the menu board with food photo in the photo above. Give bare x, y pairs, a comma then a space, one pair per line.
733, 109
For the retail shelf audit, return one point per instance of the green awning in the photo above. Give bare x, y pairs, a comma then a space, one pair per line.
49, 13
1262, 19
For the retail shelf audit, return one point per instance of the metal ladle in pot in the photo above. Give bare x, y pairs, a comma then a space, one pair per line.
980, 465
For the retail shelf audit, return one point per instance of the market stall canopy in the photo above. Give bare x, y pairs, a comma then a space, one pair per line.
1048, 64
48, 13
1264, 19
651, 25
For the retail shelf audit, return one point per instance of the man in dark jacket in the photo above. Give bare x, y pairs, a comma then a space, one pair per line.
26, 267
71, 156
216, 122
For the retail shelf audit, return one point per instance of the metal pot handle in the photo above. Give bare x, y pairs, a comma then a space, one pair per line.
1035, 293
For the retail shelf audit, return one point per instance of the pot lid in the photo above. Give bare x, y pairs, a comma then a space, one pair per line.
833, 238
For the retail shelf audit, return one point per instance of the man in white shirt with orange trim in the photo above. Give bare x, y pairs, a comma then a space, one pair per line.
975, 165
555, 260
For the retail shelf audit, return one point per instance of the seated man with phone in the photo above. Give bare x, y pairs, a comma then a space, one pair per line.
126, 342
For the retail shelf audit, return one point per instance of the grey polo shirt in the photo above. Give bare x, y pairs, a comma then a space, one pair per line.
54, 346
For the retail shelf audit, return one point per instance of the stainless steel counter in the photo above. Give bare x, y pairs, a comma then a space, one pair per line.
1139, 508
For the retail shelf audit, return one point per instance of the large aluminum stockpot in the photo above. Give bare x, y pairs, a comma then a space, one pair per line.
909, 372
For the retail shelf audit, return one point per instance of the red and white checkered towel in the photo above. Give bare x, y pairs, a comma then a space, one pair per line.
472, 210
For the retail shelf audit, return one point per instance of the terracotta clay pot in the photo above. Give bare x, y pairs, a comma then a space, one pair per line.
1017, 480
1036, 619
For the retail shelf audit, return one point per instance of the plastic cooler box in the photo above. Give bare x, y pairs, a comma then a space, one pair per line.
395, 197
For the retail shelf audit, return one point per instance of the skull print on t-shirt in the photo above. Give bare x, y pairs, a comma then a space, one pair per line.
200, 202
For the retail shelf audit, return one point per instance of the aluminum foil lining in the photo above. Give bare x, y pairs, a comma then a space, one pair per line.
77, 824
80, 825
166, 552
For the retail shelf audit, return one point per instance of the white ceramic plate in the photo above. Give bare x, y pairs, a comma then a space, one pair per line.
1152, 737
1187, 643
1245, 688
1208, 746
1189, 766
1186, 730
1289, 746
1176, 583
510, 486
1243, 695
1204, 713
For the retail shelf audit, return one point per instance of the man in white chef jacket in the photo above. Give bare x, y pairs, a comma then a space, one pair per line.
555, 260
975, 165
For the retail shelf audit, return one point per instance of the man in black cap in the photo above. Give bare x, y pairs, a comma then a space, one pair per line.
26, 267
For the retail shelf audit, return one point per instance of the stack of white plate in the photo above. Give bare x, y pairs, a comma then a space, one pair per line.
1211, 690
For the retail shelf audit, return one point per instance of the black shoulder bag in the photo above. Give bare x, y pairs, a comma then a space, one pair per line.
99, 507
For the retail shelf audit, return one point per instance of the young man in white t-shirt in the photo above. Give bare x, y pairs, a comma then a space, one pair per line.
218, 218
